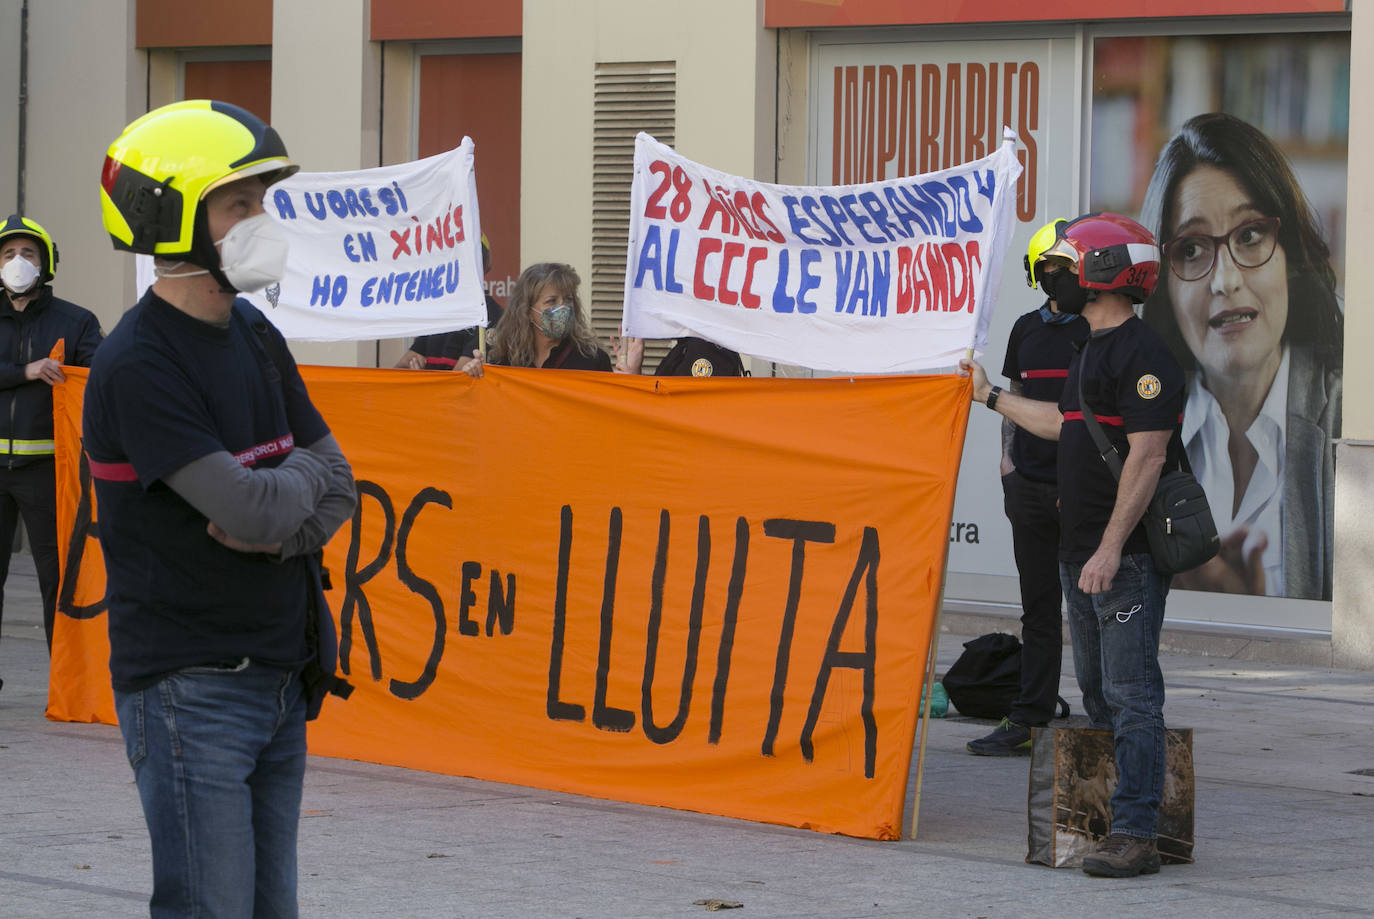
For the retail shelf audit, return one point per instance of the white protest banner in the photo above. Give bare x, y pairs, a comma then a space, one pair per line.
376, 253
884, 277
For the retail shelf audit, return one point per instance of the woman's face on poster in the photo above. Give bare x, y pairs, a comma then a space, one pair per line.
1232, 317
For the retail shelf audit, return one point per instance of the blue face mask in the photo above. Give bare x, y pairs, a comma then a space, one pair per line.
556, 321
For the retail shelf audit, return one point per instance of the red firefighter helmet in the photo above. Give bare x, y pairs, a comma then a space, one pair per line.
1112, 252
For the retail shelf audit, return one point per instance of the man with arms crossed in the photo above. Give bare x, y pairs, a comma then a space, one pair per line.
1115, 595
216, 480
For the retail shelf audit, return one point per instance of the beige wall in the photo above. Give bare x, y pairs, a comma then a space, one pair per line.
1357, 415
794, 74
1352, 602
325, 99
725, 65
398, 62
86, 82
324, 76
9, 95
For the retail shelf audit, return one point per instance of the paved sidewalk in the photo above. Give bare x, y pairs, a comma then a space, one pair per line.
1283, 826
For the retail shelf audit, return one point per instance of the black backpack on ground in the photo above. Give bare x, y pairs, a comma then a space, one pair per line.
985, 680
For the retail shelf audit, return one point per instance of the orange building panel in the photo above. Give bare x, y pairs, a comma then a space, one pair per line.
478, 95
411, 20
197, 23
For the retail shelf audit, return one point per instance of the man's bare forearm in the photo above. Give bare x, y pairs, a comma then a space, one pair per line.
1039, 418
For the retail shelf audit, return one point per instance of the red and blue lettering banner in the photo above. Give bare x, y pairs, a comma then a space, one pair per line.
883, 277
710, 594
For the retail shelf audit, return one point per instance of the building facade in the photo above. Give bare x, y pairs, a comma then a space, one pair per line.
790, 91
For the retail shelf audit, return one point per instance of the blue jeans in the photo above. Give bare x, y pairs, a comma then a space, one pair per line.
1116, 656
219, 759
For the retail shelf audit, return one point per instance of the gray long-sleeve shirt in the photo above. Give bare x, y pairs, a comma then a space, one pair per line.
299, 503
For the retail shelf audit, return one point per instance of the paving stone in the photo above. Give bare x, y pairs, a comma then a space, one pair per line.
1281, 824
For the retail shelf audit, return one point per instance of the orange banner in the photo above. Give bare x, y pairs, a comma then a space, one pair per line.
715, 595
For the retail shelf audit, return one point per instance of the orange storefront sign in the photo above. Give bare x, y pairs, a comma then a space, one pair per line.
813, 14
715, 595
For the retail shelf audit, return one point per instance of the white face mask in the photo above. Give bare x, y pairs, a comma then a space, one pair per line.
19, 274
253, 253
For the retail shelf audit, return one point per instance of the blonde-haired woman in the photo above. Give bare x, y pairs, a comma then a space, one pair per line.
544, 325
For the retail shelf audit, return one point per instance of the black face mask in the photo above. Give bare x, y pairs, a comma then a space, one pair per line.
1064, 290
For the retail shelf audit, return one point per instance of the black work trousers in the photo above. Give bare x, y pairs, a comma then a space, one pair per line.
1033, 509
31, 492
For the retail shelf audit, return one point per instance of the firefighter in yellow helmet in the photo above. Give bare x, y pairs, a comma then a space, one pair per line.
1041, 345
217, 482
32, 322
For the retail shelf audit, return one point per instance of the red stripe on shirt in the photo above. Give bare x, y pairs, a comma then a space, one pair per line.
270, 448
1115, 420
112, 472
124, 472
440, 362
1045, 374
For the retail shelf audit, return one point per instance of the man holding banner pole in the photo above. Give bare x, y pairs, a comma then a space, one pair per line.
217, 482
1134, 386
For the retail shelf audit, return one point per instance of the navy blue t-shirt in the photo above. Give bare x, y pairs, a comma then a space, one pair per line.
432, 348
166, 389
443, 350
460, 345
1133, 383
567, 356
1038, 355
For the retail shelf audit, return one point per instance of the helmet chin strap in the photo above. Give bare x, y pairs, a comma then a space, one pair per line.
169, 270
224, 286
204, 253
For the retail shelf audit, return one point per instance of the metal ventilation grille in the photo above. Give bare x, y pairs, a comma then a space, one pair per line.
630, 97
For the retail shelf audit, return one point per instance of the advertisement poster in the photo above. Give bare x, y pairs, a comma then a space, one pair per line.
1233, 151
1269, 344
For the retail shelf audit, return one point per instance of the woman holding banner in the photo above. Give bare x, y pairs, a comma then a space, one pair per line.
1251, 311
544, 325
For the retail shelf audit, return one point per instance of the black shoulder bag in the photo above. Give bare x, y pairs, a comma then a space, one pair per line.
1178, 521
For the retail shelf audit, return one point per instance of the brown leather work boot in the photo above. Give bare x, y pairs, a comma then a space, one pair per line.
1120, 856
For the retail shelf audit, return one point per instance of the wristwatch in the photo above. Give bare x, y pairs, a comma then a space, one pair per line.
992, 397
